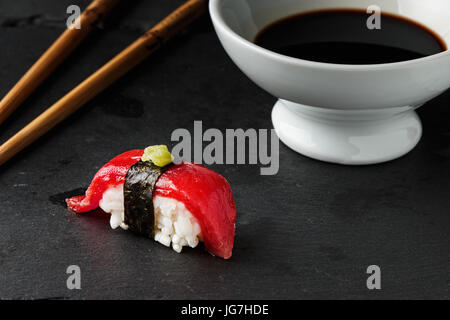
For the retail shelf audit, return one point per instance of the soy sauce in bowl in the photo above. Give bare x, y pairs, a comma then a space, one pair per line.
342, 36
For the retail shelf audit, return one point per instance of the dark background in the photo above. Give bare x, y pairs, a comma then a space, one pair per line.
309, 232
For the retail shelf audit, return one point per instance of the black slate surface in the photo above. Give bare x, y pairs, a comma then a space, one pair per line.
309, 232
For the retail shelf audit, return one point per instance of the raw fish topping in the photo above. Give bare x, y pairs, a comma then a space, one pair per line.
110, 175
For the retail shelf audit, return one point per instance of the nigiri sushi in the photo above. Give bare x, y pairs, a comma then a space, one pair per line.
175, 204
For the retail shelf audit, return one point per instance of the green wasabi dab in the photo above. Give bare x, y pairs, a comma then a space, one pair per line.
159, 155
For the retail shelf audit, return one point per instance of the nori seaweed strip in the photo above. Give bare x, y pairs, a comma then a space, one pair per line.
138, 189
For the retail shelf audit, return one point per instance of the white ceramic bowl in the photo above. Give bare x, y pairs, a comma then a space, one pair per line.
348, 114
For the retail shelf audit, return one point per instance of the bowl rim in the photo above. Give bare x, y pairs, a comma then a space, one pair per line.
219, 22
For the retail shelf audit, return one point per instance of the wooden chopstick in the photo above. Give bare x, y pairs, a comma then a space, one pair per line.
54, 56
105, 76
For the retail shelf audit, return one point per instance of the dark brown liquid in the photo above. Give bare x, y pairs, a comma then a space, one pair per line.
342, 36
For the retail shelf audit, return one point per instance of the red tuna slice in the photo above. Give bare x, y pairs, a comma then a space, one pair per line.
208, 196
110, 175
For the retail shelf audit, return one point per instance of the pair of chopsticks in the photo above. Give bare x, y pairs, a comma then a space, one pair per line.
126, 60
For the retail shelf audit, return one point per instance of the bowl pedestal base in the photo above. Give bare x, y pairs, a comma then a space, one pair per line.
347, 136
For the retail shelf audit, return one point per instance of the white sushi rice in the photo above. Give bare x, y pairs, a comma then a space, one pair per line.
174, 225
112, 202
